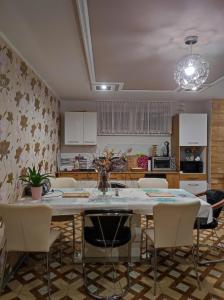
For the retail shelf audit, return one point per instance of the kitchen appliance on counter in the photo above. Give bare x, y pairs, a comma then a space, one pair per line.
191, 166
75, 162
161, 163
82, 163
166, 149
66, 168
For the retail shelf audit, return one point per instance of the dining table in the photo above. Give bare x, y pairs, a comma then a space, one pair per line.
141, 201
69, 201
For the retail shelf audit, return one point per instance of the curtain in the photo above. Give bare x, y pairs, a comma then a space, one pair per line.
134, 118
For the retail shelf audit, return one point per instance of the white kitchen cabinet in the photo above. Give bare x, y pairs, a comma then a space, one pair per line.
73, 128
193, 129
89, 128
194, 186
80, 128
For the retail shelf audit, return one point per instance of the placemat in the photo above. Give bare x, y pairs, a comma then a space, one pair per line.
76, 195
159, 194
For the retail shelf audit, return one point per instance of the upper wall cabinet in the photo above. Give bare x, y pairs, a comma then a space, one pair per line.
193, 129
80, 128
89, 128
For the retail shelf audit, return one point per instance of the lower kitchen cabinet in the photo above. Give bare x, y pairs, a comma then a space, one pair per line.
173, 180
130, 179
194, 186
194, 182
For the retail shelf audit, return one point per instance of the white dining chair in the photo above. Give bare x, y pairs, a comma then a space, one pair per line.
173, 227
28, 229
152, 183
3, 253
63, 182
60, 183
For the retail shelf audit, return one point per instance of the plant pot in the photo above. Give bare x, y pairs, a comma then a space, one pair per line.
36, 192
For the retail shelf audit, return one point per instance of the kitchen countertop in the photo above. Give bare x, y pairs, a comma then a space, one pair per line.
124, 172
172, 177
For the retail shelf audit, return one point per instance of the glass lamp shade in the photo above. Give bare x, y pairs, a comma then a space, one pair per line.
191, 72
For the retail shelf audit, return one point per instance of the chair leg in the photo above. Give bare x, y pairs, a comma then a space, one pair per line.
129, 264
146, 239
83, 257
73, 232
195, 267
207, 262
198, 237
60, 241
84, 274
155, 269
48, 275
221, 242
214, 261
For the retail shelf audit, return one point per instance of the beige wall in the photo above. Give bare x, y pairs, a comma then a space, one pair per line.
29, 123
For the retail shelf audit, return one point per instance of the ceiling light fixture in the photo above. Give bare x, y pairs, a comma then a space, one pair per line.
192, 70
103, 87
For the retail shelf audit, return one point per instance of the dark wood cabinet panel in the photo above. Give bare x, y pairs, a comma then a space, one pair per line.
217, 144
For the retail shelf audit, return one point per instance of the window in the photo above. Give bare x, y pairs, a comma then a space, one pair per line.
134, 118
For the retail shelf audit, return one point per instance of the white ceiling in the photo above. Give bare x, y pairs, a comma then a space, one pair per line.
133, 42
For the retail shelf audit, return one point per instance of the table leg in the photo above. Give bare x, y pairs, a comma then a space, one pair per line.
198, 237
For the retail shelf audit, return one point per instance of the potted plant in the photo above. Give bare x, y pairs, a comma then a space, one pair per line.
35, 179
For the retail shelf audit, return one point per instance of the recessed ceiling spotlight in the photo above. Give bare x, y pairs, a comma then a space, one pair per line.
107, 86
103, 87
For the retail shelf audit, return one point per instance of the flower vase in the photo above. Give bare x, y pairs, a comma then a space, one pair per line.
103, 184
36, 192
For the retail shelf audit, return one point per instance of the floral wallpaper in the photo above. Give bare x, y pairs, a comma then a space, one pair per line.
29, 123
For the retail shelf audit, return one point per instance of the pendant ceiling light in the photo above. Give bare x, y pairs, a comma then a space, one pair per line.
192, 70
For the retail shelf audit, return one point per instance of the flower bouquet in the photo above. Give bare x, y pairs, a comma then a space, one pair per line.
142, 162
108, 163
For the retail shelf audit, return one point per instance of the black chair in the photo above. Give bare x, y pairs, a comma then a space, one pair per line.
107, 229
216, 199
149, 175
118, 185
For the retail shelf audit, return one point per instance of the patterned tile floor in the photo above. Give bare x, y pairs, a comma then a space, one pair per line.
176, 275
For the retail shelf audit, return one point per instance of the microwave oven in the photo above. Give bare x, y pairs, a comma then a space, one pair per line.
161, 163
187, 166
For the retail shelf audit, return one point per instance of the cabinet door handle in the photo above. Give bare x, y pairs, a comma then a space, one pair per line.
193, 184
75, 142
89, 142
193, 143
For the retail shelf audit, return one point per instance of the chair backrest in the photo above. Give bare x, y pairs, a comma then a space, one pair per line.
173, 223
117, 185
63, 182
109, 222
3, 255
214, 196
2, 235
152, 183
27, 227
